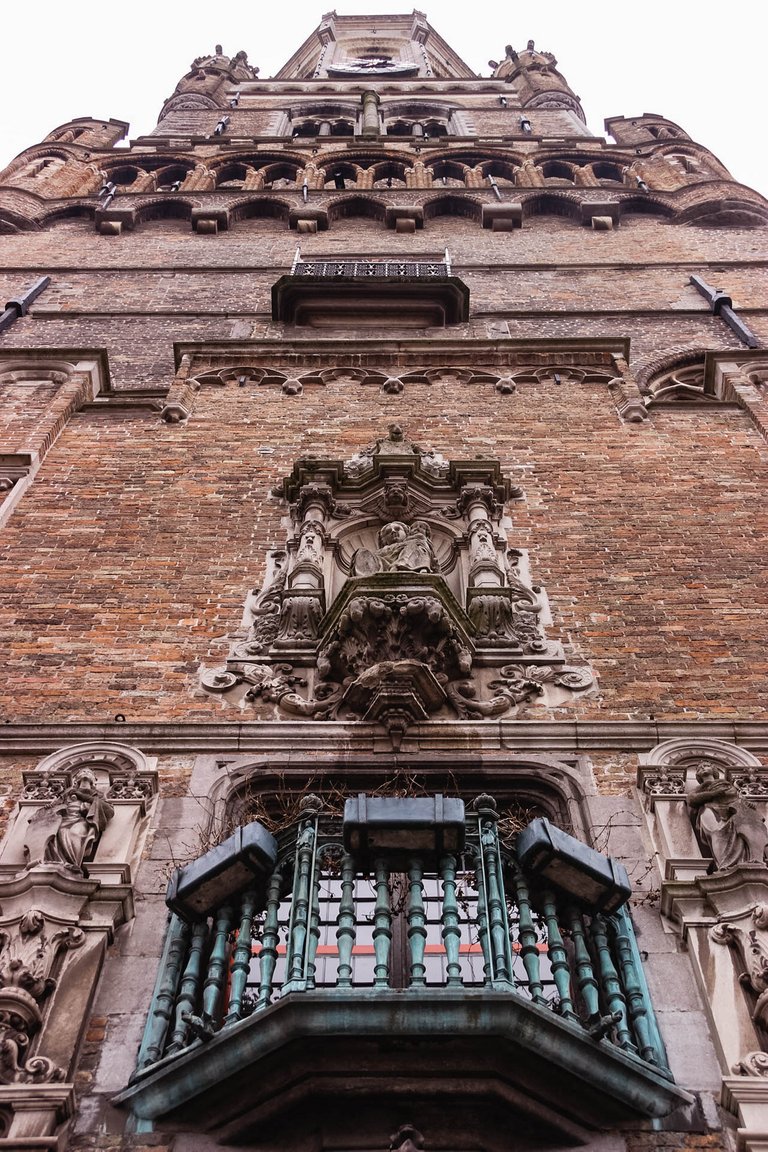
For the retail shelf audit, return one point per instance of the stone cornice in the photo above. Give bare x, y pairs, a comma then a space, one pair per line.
474, 736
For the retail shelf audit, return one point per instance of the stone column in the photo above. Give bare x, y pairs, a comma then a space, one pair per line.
529, 175
303, 600
371, 103
585, 177
485, 570
200, 179
254, 180
422, 176
144, 182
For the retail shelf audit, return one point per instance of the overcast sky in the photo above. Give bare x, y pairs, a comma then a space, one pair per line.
698, 62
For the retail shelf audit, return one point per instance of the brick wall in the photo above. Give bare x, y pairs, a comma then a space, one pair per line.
132, 554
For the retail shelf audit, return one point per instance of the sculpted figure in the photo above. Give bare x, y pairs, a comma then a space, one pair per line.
483, 546
727, 825
75, 823
401, 549
311, 542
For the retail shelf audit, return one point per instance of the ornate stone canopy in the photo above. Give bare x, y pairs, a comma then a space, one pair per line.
397, 597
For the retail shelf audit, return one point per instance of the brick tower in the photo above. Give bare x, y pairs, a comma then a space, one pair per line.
385, 735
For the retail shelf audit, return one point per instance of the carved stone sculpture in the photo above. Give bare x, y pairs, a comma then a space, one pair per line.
396, 596
749, 942
401, 549
27, 957
72, 825
728, 827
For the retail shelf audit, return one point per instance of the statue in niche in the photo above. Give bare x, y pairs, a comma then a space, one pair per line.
74, 823
728, 826
401, 549
311, 543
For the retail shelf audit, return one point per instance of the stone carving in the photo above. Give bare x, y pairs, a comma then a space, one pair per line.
728, 826
266, 612
679, 385
71, 826
751, 785
401, 549
130, 788
276, 684
407, 624
753, 1064
396, 597
751, 947
27, 957
37, 787
516, 685
626, 393
665, 783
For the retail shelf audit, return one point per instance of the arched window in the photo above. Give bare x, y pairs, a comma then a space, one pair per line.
557, 172
606, 172
448, 174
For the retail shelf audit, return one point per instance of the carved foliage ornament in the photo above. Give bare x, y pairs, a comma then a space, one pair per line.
29, 950
396, 597
748, 938
753, 1064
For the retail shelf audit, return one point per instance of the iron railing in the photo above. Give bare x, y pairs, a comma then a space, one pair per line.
473, 920
367, 269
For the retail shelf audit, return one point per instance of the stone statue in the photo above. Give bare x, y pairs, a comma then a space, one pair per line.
74, 823
728, 826
401, 549
310, 548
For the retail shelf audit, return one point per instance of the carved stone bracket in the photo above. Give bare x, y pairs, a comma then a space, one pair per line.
626, 394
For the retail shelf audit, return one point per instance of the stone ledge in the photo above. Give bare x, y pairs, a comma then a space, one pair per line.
503, 217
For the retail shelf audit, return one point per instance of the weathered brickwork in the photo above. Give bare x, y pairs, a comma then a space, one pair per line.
647, 538
154, 399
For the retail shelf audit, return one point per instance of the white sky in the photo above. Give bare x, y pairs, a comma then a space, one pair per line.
698, 62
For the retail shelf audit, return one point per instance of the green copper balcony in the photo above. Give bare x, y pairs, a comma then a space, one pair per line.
417, 965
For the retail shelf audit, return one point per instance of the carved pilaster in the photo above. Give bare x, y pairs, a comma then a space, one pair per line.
65, 870
748, 939
745, 1095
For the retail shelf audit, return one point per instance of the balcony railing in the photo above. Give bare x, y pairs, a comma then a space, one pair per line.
365, 269
470, 919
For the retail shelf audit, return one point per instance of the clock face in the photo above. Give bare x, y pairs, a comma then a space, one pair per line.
370, 64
